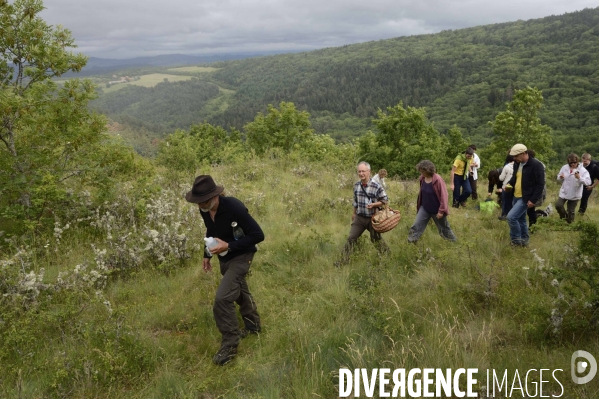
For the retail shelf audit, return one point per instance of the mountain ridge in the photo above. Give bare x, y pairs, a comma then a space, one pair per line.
462, 77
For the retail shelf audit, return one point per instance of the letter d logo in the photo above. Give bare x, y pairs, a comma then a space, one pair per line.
581, 367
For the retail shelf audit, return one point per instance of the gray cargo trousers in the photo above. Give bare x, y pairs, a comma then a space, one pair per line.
234, 288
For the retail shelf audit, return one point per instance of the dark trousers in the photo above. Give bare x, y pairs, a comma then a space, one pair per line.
532, 216
570, 213
506, 202
234, 288
584, 201
461, 189
358, 226
473, 187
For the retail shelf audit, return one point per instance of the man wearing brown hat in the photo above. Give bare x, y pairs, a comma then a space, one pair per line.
528, 181
235, 257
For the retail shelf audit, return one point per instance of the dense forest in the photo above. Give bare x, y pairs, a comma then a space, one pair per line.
462, 77
165, 107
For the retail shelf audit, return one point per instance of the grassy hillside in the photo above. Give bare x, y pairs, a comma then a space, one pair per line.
462, 77
146, 331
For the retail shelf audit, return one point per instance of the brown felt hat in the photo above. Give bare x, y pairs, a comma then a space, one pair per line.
204, 188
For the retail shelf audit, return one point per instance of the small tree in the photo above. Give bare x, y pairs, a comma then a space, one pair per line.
203, 144
47, 133
520, 123
456, 142
404, 138
285, 128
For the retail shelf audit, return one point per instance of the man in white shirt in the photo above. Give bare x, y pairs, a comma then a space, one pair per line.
473, 177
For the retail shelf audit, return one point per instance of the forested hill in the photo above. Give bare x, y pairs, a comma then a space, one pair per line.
462, 77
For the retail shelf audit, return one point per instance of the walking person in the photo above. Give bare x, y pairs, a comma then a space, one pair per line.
459, 183
507, 191
380, 178
528, 182
473, 175
593, 168
432, 203
235, 255
495, 185
573, 177
368, 197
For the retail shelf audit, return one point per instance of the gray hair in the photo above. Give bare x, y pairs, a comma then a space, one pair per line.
427, 167
363, 163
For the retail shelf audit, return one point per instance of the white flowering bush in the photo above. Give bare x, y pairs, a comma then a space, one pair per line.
576, 284
161, 234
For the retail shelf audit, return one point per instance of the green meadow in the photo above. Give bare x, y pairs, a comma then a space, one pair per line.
194, 69
147, 331
149, 80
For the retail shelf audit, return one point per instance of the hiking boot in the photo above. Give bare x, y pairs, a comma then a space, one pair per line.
502, 218
247, 331
224, 355
463, 204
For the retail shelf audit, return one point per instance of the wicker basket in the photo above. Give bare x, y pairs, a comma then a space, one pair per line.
385, 219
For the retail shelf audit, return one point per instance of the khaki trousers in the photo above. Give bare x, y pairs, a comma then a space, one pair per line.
358, 226
234, 288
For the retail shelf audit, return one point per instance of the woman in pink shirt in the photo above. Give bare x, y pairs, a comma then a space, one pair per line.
432, 203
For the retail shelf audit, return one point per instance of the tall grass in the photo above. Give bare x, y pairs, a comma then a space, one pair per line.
476, 303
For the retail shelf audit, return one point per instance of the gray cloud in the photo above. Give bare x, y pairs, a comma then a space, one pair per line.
125, 29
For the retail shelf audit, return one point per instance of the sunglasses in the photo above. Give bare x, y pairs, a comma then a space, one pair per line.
573, 163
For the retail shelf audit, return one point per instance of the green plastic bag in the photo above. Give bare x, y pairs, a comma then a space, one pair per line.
488, 206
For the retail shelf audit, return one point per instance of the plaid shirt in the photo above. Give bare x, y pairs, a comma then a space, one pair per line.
375, 192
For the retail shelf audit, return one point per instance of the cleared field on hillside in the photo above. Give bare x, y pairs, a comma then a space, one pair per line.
150, 80
194, 69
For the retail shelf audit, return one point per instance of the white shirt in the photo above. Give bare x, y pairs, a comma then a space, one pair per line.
475, 169
380, 181
571, 186
506, 174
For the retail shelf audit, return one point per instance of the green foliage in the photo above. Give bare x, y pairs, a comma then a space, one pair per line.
286, 128
404, 137
49, 139
164, 107
456, 142
520, 123
576, 308
203, 144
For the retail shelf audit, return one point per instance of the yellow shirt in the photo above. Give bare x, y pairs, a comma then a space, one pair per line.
518, 187
459, 167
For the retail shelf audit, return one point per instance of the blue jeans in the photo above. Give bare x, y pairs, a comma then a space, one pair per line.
516, 219
461, 184
507, 197
421, 222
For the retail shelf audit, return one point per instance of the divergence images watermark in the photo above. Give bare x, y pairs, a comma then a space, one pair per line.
462, 382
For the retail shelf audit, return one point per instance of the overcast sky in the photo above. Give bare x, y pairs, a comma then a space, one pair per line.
126, 29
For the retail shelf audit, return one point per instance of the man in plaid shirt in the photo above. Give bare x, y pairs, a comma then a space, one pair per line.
368, 197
